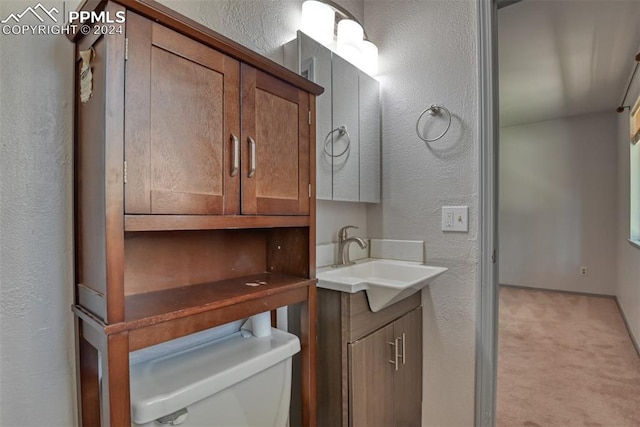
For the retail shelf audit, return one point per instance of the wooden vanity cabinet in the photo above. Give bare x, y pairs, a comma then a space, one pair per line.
192, 179
385, 381
371, 363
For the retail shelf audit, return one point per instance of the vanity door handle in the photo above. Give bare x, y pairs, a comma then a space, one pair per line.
404, 359
236, 155
252, 160
394, 344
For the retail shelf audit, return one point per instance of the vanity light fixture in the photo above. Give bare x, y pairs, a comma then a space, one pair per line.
349, 41
369, 58
318, 22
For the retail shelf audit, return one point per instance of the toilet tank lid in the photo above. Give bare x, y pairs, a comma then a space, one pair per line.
165, 385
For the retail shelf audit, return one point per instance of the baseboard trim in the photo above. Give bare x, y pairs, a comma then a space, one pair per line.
531, 288
613, 297
626, 324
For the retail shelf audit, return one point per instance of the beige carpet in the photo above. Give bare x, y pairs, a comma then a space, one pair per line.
565, 360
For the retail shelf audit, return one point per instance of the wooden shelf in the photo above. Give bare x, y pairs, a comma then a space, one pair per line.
210, 222
155, 317
154, 307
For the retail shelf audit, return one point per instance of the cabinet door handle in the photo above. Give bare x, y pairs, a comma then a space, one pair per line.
404, 359
236, 155
394, 344
252, 164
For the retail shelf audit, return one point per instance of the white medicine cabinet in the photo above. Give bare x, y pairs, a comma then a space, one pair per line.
347, 122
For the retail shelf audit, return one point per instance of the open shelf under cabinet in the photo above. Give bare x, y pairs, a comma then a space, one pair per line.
210, 222
155, 317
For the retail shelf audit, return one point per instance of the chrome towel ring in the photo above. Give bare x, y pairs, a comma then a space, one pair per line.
342, 130
433, 110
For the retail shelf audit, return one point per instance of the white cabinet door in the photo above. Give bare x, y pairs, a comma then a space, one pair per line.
345, 146
315, 64
369, 107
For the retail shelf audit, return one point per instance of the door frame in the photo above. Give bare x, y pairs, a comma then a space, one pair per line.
487, 286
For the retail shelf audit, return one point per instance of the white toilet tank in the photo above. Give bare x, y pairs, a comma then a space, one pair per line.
233, 381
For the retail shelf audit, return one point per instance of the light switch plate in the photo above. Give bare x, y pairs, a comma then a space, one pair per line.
455, 218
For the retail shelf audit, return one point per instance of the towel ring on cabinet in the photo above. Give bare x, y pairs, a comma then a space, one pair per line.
342, 130
433, 110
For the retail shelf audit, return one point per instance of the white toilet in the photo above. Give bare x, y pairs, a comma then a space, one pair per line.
232, 381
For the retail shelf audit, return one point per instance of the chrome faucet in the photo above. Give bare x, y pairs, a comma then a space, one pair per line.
343, 245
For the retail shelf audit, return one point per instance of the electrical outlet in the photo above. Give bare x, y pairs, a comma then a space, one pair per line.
455, 218
584, 271
448, 220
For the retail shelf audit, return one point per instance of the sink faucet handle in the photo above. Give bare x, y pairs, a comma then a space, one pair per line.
342, 234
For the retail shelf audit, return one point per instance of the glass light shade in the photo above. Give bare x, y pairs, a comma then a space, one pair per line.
369, 62
350, 33
318, 20
349, 43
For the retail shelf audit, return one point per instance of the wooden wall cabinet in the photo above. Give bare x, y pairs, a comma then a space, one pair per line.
192, 179
371, 363
184, 149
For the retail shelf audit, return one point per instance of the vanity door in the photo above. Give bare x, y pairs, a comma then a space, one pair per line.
371, 380
408, 378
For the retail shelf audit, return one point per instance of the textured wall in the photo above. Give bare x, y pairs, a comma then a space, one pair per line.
427, 55
356, 7
334, 215
261, 25
36, 254
558, 204
628, 286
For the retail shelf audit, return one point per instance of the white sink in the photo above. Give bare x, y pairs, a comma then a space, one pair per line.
385, 281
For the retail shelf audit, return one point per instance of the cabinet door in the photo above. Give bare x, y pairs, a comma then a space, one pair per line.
408, 378
371, 379
346, 171
369, 105
181, 114
315, 64
275, 146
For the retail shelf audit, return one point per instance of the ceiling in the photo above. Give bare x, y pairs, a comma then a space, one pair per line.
560, 58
